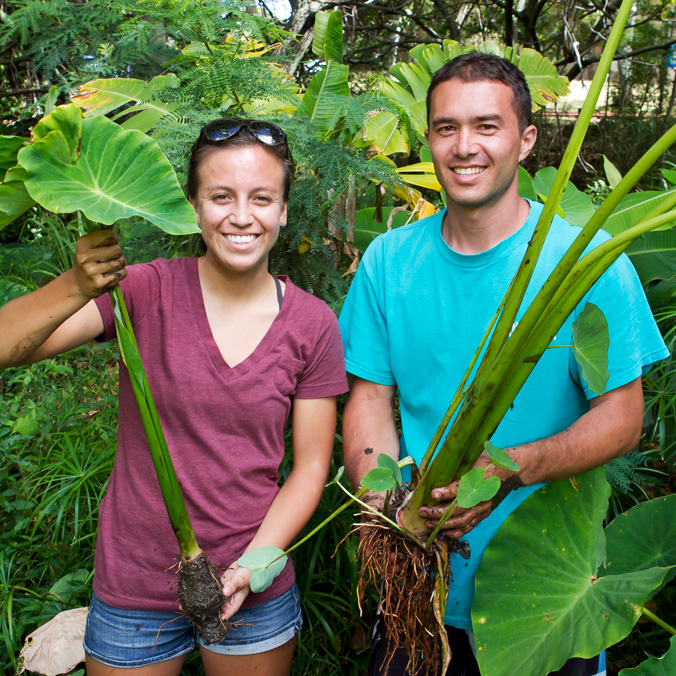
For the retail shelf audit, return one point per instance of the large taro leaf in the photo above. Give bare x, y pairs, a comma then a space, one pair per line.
656, 666
577, 206
643, 537
590, 347
539, 599
118, 174
14, 199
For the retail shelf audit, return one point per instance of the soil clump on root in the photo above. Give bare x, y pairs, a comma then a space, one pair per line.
201, 594
410, 580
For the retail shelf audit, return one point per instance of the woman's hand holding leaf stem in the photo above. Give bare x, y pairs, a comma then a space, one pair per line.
59, 316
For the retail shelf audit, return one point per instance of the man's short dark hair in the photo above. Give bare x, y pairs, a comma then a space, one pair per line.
477, 66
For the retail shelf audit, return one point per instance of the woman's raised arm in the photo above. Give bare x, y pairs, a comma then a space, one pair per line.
62, 315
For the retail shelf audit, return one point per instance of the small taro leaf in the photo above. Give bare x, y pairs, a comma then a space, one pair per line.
643, 537
68, 121
590, 347
538, 598
339, 475
118, 174
265, 564
656, 666
475, 488
386, 462
379, 479
499, 457
612, 173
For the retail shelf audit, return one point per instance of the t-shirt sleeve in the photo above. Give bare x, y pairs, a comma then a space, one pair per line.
141, 283
635, 341
324, 371
363, 321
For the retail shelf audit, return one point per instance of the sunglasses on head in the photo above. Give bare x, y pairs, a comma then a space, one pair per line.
223, 129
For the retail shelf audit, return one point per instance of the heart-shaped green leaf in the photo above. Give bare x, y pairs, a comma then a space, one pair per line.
265, 564
386, 462
499, 457
379, 479
475, 488
656, 666
539, 599
118, 174
339, 475
590, 347
643, 537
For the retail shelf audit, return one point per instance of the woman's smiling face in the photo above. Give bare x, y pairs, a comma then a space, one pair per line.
240, 206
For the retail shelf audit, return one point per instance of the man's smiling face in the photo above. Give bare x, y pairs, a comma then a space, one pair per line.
475, 141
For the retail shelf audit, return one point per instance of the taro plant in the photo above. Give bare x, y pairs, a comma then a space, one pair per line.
106, 173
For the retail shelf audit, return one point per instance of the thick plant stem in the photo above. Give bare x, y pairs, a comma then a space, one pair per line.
658, 621
166, 476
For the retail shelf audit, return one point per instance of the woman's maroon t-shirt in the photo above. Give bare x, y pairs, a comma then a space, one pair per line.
224, 428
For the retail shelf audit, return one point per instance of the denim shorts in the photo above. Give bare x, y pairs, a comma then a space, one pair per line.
136, 638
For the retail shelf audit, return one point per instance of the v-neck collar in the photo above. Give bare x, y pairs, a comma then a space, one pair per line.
208, 341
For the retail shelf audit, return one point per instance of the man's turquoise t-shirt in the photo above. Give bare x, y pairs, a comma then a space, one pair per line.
415, 314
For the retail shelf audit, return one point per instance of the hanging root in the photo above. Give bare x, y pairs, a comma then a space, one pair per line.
201, 594
407, 592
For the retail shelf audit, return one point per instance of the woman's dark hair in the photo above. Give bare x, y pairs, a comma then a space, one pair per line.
203, 147
477, 66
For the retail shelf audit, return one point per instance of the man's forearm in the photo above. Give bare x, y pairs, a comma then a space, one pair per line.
368, 428
611, 428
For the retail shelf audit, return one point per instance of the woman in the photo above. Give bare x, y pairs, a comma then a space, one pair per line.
230, 351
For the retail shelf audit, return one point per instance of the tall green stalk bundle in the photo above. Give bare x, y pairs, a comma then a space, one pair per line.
477, 409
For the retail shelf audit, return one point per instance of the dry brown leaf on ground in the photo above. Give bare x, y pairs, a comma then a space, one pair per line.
56, 647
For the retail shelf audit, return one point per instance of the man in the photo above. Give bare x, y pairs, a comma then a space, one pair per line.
421, 301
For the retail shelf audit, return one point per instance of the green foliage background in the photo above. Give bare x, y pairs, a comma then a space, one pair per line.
57, 419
